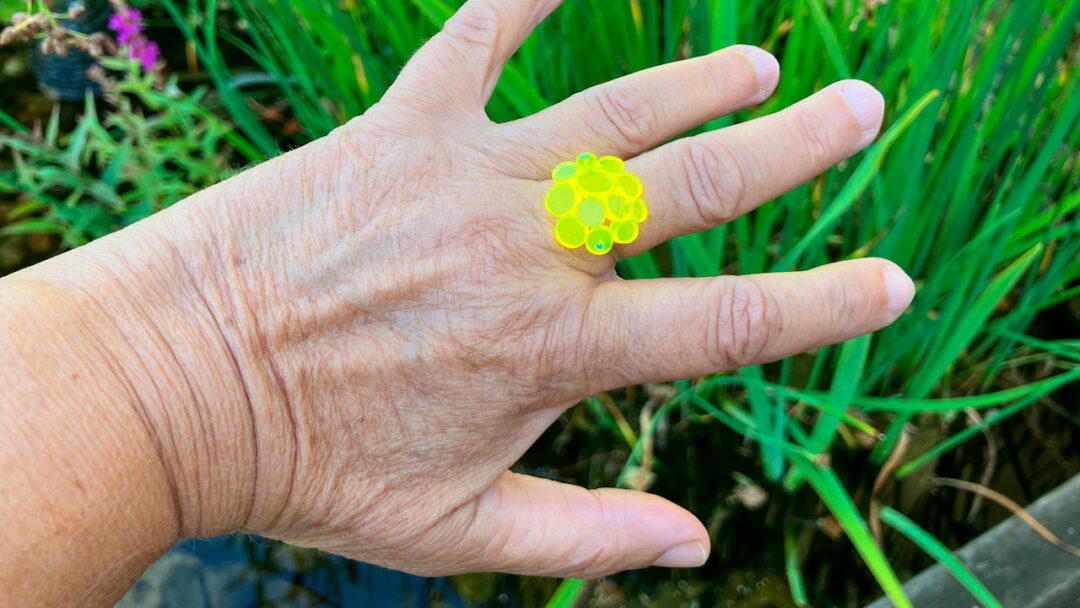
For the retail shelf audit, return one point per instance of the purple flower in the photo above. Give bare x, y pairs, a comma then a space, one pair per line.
145, 51
127, 23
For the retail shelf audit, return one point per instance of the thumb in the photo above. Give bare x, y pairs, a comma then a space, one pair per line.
533, 526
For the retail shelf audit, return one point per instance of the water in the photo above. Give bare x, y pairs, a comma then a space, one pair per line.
251, 571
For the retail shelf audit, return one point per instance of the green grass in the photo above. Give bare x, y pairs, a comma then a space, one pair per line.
940, 552
972, 188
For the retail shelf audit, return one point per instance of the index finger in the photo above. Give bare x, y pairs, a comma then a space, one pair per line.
458, 68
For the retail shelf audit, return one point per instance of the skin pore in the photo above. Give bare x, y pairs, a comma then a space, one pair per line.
348, 346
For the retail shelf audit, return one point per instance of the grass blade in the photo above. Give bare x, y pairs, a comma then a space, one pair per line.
837, 499
567, 595
941, 553
862, 177
792, 567
768, 419
971, 431
961, 334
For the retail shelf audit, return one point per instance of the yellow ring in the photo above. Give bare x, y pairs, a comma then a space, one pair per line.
596, 203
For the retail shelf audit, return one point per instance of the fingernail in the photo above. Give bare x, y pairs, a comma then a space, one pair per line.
900, 289
867, 103
766, 66
686, 555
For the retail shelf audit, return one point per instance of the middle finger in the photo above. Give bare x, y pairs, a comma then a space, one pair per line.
699, 182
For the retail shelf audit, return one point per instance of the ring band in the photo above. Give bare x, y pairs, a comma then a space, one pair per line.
597, 203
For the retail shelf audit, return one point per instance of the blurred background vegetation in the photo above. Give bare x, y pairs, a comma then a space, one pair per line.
801, 468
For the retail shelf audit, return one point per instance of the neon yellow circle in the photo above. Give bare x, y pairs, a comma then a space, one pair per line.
560, 200
586, 159
594, 181
570, 232
564, 172
639, 210
630, 185
591, 212
612, 164
625, 231
599, 241
617, 208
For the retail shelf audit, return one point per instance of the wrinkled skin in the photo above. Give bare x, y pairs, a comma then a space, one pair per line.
364, 334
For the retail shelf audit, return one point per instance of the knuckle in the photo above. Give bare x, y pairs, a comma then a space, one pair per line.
597, 562
843, 301
745, 323
715, 182
839, 305
599, 555
815, 134
478, 25
854, 302
632, 116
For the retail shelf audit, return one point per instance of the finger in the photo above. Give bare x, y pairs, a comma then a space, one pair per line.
538, 527
699, 182
667, 329
458, 68
633, 113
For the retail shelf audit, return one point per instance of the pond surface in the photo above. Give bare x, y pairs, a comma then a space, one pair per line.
251, 571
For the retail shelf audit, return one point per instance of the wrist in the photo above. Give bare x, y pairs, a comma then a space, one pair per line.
183, 305
86, 504
160, 301
137, 316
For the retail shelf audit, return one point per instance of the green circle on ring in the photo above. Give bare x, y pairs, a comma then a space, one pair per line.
599, 241
564, 172
630, 184
617, 207
591, 212
570, 232
612, 164
625, 232
594, 181
560, 199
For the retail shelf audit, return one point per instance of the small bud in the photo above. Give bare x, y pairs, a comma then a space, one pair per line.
108, 85
76, 11
106, 42
8, 35
19, 17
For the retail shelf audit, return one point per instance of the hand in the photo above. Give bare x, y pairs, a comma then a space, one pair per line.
376, 326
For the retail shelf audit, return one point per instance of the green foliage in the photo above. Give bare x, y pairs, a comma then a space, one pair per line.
940, 552
833, 494
566, 595
9, 8
153, 149
792, 567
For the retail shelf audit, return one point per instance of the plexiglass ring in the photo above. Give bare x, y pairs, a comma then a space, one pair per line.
597, 203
